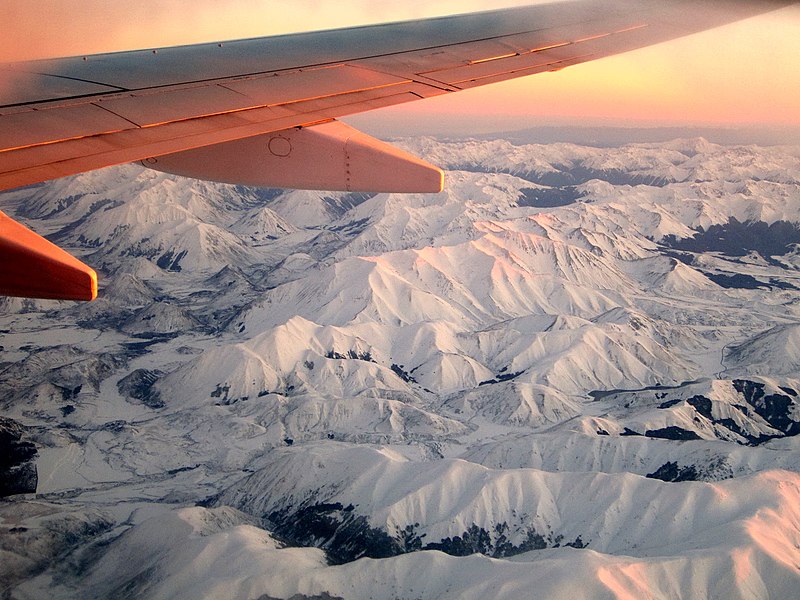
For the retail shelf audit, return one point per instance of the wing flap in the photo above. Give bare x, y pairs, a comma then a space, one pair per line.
49, 125
150, 108
157, 107
21, 87
505, 75
299, 86
540, 54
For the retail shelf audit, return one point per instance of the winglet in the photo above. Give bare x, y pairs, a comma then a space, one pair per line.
32, 267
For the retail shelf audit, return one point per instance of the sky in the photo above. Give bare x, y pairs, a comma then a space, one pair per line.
747, 73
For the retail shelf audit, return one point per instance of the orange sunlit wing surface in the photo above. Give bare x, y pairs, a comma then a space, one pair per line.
32, 267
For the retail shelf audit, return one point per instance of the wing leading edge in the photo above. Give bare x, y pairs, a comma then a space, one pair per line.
176, 108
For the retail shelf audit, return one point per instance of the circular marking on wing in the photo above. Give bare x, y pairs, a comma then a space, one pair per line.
280, 146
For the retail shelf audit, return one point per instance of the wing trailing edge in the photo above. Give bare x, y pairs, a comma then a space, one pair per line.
32, 267
328, 156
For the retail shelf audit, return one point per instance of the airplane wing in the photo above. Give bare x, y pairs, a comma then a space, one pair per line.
257, 111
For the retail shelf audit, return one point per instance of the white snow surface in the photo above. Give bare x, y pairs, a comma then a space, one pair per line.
530, 383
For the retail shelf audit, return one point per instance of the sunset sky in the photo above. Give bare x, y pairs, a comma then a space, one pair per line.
745, 73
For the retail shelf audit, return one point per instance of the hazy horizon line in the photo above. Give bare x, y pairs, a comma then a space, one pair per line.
599, 134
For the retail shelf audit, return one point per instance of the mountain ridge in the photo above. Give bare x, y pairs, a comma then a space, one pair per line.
574, 368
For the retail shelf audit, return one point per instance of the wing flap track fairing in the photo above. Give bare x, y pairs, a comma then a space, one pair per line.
329, 156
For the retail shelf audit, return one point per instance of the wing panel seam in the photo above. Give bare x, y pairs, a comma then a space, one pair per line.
349, 61
203, 116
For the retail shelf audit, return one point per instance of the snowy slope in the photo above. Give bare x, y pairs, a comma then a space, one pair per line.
574, 371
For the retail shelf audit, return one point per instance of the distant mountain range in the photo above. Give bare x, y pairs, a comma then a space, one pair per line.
614, 137
575, 371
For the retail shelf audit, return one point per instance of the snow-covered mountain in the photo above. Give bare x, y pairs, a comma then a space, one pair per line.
574, 371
